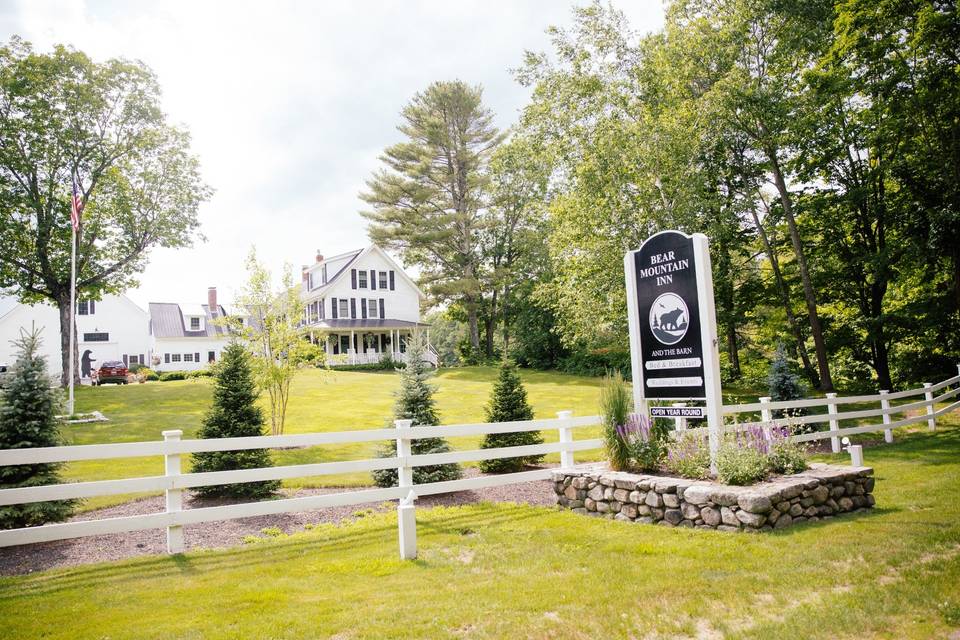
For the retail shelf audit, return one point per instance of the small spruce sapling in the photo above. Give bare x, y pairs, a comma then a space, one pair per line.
415, 402
785, 384
508, 403
234, 414
28, 419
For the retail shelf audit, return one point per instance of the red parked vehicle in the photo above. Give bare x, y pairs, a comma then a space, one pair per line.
111, 371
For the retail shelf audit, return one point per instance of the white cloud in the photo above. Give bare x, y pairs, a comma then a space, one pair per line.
290, 103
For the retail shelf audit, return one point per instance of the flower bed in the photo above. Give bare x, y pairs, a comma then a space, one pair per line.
820, 492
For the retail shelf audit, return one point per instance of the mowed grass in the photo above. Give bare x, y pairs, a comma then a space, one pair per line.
508, 571
319, 401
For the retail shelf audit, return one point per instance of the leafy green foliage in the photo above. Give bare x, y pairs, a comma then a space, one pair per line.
27, 420
688, 456
508, 403
787, 457
615, 407
234, 414
740, 465
414, 401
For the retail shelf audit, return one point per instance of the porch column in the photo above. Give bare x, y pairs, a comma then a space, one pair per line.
353, 348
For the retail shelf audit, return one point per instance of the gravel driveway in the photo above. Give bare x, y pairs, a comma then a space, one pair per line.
217, 535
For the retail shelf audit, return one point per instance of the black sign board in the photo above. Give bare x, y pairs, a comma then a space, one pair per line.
668, 317
678, 412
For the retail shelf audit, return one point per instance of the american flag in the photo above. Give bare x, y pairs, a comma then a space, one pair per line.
76, 207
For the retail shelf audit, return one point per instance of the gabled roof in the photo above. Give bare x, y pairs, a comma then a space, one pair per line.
166, 321
355, 256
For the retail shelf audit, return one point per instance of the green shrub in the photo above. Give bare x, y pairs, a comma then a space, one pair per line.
508, 402
786, 457
233, 414
135, 367
28, 419
415, 402
148, 374
740, 464
597, 362
689, 457
615, 406
167, 376
646, 443
207, 372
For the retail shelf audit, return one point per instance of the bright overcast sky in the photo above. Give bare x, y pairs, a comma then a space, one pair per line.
290, 103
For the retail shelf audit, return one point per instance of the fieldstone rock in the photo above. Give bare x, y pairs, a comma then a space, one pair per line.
725, 497
629, 510
858, 489
791, 491
729, 517
783, 521
621, 495
603, 507
727, 527
644, 485
869, 484
644, 520
666, 485
783, 506
653, 499
754, 503
710, 516
571, 492
590, 504
697, 494
772, 516
622, 517
643, 510
575, 504
614, 506
666, 524
836, 491
635, 497
820, 494
628, 483
810, 511
689, 511
685, 523
596, 493
606, 481
580, 483
834, 507
806, 502
751, 519
656, 513
673, 516
581, 511
670, 500
870, 499
824, 510
846, 504
850, 487
608, 493
795, 510
799, 520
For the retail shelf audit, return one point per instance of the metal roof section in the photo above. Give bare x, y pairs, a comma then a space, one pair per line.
345, 323
166, 321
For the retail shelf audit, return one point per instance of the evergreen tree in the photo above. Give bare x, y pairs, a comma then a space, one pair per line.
415, 402
784, 383
234, 414
508, 402
28, 419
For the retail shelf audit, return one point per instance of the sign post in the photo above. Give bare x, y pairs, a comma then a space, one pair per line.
673, 326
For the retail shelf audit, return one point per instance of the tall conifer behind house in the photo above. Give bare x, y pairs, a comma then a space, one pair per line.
28, 419
234, 414
508, 403
415, 402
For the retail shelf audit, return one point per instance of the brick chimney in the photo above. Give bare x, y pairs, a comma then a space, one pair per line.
303, 272
212, 302
319, 256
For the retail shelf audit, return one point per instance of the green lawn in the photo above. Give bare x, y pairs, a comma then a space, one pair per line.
506, 571
319, 401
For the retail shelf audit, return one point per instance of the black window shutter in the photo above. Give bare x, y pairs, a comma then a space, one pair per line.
353, 278
142, 361
323, 308
392, 284
196, 357
333, 308
363, 308
166, 358
373, 279
93, 307
353, 308
125, 361
381, 309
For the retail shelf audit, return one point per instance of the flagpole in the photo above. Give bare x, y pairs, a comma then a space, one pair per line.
73, 308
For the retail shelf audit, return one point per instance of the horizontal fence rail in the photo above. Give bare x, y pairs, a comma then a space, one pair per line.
173, 482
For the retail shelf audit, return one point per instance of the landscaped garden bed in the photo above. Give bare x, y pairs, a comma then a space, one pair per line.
820, 492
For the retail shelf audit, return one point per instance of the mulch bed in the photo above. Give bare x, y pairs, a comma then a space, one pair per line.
218, 535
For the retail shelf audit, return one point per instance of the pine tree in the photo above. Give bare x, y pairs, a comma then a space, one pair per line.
234, 414
508, 402
28, 419
415, 402
784, 383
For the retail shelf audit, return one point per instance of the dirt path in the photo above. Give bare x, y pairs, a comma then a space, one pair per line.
217, 535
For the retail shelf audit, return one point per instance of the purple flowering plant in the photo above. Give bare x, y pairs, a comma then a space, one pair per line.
646, 446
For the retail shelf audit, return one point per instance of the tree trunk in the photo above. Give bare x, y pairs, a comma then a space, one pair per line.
785, 299
490, 324
473, 324
63, 306
732, 350
816, 330
506, 322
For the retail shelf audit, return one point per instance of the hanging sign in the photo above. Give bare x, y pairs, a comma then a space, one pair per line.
666, 316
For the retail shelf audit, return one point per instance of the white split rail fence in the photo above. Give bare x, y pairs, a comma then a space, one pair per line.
174, 518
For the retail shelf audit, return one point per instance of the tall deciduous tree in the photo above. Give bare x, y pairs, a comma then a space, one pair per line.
428, 202
65, 117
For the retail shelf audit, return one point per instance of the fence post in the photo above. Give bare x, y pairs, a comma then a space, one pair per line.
566, 436
174, 497
931, 421
834, 423
885, 404
681, 423
765, 414
406, 516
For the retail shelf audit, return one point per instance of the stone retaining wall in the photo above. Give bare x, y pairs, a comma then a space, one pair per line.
820, 492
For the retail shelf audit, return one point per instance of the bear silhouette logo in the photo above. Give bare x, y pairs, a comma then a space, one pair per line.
669, 318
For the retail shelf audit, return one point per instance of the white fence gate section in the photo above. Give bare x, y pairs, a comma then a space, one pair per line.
173, 482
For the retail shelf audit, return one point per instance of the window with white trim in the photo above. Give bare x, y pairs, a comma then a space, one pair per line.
344, 308
188, 357
382, 280
362, 278
371, 307
175, 357
195, 323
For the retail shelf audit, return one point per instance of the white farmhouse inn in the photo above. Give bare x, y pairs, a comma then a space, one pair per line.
186, 337
113, 328
361, 307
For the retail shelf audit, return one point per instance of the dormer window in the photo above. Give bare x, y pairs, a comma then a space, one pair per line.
194, 323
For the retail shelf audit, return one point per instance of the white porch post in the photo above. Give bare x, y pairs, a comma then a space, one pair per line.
352, 350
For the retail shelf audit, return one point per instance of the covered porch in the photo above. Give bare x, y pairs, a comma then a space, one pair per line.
352, 342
